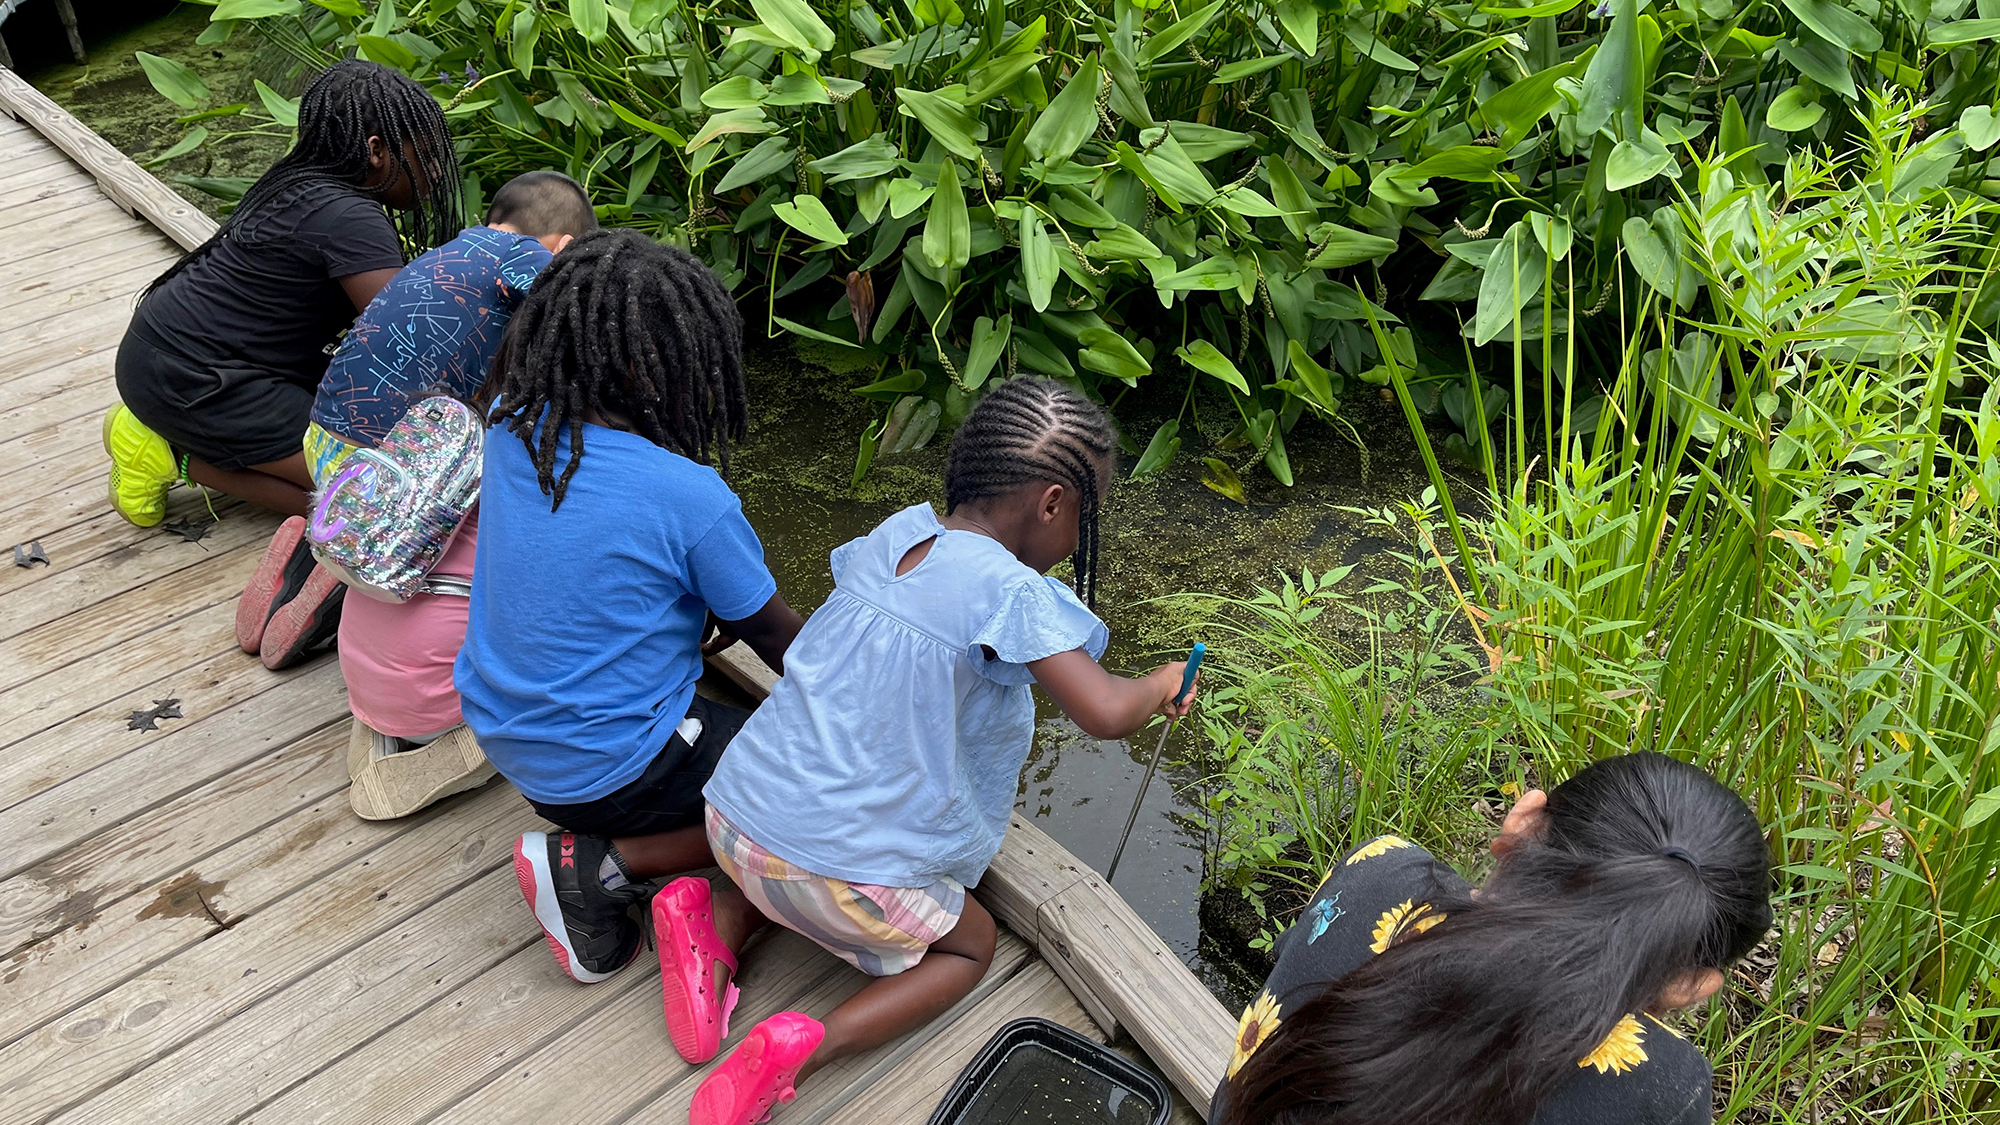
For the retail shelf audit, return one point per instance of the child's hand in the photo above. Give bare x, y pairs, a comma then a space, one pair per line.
1167, 678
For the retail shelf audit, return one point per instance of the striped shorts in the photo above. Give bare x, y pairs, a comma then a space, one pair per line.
880, 930
324, 452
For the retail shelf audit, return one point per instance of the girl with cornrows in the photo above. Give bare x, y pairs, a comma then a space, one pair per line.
606, 547
1403, 994
218, 368
872, 789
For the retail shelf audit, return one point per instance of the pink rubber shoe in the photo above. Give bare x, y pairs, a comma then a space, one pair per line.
684, 927
758, 1075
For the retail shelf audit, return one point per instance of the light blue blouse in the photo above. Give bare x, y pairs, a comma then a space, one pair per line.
889, 752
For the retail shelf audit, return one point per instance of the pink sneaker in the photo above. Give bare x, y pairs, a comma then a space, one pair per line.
684, 927
758, 1075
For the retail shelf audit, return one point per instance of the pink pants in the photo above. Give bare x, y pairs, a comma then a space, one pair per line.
398, 658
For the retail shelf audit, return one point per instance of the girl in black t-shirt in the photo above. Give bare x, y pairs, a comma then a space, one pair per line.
1404, 995
218, 368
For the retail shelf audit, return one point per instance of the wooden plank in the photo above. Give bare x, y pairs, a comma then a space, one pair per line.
82, 385
116, 621
53, 203
131, 186
261, 1052
103, 1038
22, 458
744, 668
118, 567
73, 489
158, 771
108, 534
26, 348
1090, 935
120, 276
51, 896
1030, 870
50, 248
122, 939
908, 1092
418, 1068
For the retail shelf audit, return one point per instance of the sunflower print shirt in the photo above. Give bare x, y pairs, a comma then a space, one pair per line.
1643, 1073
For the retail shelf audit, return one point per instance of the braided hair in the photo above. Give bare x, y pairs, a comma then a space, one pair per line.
348, 103
1029, 430
627, 332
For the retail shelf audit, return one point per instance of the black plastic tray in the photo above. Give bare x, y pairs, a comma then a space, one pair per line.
1037, 1072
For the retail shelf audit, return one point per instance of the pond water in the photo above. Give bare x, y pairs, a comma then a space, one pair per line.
1161, 536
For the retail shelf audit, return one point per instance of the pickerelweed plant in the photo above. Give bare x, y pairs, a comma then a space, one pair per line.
1226, 192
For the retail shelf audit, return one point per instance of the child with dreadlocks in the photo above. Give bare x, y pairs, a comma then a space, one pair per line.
874, 786
218, 367
606, 547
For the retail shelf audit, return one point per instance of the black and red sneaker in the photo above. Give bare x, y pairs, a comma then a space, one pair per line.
280, 574
304, 622
588, 927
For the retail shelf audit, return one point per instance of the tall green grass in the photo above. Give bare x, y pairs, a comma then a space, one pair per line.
1768, 547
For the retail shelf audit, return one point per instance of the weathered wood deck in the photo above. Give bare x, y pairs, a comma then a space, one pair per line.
195, 928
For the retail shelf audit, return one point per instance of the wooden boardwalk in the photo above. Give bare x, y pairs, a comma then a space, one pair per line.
196, 928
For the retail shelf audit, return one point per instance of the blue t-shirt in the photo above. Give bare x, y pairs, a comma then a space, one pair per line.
437, 323
582, 645
889, 752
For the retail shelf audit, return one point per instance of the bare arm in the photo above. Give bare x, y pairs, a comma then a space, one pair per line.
362, 287
1108, 706
768, 632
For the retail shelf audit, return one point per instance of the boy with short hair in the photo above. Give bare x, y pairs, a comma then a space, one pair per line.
434, 328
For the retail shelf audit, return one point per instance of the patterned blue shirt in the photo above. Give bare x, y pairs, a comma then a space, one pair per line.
436, 324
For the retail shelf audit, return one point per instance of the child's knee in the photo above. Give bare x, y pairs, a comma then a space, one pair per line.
974, 937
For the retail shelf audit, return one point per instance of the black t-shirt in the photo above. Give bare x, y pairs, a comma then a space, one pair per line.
1643, 1073
267, 296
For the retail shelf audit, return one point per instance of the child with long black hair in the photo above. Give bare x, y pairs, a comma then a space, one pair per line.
218, 368
606, 546
873, 787
1404, 995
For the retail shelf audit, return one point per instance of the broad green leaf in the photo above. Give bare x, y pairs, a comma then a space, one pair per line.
1961, 32
1614, 82
1837, 25
1980, 127
1070, 119
875, 156
947, 230
1317, 381
1246, 68
1266, 435
590, 19
1215, 273
1299, 19
388, 52
1122, 243
1983, 806
949, 122
181, 147
989, 343
1795, 109
1129, 159
1160, 451
901, 383
750, 121
1552, 233
801, 88
1823, 62
1038, 261
1290, 196
810, 216
1202, 143
1634, 162
653, 127
1207, 359
865, 454
1339, 246
175, 82
523, 34
252, 9
906, 195
772, 154
1366, 42
1178, 33
1472, 163
1655, 263
1109, 353
1533, 11
796, 23
998, 76
735, 92
812, 333
1516, 109
1172, 168
352, 9
1222, 479
1246, 202
1513, 277
283, 110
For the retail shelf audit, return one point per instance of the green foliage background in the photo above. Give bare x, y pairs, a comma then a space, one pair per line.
1228, 192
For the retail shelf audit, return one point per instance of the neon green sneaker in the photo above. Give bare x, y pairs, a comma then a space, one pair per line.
142, 468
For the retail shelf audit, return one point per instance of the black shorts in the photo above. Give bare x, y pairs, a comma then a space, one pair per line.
668, 795
232, 417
